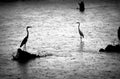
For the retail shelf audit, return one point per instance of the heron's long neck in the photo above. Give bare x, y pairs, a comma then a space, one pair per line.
27, 32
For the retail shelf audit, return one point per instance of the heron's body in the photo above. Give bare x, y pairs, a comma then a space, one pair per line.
26, 38
81, 6
80, 32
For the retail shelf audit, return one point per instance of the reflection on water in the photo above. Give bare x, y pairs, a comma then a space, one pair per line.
23, 67
81, 45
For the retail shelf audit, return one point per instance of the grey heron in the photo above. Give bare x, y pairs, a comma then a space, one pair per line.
80, 32
24, 41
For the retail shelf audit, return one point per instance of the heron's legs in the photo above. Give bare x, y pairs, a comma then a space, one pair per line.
80, 39
24, 47
81, 44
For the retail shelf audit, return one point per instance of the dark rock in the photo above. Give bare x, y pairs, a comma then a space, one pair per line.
23, 56
111, 48
117, 48
101, 50
8, 0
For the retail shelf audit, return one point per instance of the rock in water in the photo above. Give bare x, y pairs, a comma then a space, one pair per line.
111, 48
24, 56
102, 50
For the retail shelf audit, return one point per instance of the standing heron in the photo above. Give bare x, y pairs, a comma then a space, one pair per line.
80, 32
81, 6
26, 38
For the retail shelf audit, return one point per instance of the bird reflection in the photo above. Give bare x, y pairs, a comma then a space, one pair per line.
81, 45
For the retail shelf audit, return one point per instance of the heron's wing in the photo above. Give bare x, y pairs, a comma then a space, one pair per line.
24, 41
81, 33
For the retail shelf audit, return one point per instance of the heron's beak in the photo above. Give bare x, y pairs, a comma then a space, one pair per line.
29, 26
78, 22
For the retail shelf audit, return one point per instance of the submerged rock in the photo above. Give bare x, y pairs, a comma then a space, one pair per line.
111, 48
24, 56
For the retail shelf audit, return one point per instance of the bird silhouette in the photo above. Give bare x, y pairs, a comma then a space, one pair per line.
24, 41
80, 32
81, 6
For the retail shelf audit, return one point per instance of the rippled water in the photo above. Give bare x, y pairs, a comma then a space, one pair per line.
55, 31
